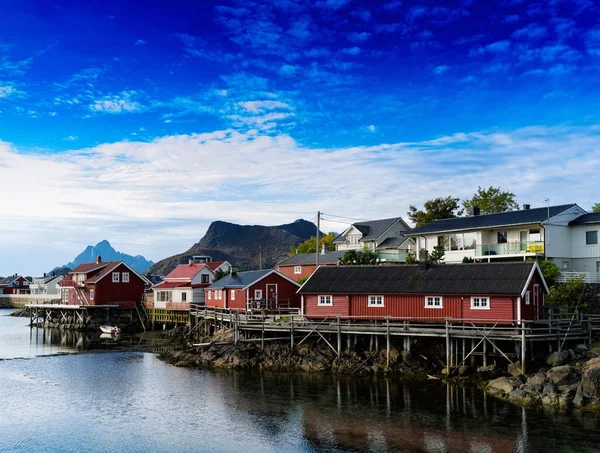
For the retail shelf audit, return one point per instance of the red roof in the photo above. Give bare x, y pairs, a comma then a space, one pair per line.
213, 265
87, 267
185, 271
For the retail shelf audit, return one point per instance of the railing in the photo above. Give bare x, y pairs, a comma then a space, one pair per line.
70, 283
587, 277
268, 304
511, 248
392, 255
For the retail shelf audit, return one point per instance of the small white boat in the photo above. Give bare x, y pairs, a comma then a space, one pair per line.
112, 330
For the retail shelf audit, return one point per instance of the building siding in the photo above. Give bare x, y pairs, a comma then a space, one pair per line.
125, 294
288, 271
340, 307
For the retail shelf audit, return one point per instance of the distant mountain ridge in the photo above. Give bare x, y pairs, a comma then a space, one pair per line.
103, 248
242, 245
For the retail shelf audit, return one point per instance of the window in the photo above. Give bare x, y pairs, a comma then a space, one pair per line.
565, 265
115, 277
325, 300
434, 302
297, 269
91, 294
459, 241
125, 277
353, 239
65, 296
375, 301
183, 297
527, 298
591, 238
535, 235
220, 295
232, 294
480, 303
502, 237
209, 295
204, 278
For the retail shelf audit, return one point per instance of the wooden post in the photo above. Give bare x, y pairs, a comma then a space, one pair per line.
589, 333
262, 338
339, 338
371, 343
388, 345
472, 355
291, 332
484, 352
447, 348
523, 347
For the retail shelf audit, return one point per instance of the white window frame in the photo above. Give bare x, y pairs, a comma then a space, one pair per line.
125, 277
431, 300
297, 270
209, 295
232, 294
183, 296
116, 277
325, 301
480, 301
353, 239
91, 294
374, 301
527, 297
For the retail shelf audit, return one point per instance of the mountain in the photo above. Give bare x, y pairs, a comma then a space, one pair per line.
241, 245
108, 253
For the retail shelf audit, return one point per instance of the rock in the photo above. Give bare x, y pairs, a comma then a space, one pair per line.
580, 349
537, 379
562, 375
590, 379
503, 385
558, 358
514, 369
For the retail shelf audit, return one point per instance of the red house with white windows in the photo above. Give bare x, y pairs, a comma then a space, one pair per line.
185, 284
15, 284
302, 265
249, 290
103, 283
506, 292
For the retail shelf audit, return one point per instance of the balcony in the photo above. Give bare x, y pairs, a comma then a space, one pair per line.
524, 248
396, 256
586, 277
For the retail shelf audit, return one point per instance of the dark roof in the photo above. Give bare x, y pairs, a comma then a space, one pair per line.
522, 217
592, 217
8, 280
479, 278
240, 279
309, 258
392, 243
372, 229
88, 267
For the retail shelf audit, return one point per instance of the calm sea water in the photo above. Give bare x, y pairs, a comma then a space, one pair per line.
135, 403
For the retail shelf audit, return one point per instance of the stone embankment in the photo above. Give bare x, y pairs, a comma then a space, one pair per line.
571, 380
218, 351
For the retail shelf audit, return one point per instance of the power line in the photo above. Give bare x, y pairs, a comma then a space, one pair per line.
343, 217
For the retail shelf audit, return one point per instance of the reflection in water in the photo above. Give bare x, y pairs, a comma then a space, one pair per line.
133, 402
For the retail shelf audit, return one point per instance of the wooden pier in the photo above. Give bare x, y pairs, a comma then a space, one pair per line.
464, 339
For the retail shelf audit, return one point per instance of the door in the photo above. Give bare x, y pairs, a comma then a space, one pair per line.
536, 302
258, 295
523, 238
272, 294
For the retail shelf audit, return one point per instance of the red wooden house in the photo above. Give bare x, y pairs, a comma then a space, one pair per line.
103, 283
303, 265
487, 292
252, 290
15, 284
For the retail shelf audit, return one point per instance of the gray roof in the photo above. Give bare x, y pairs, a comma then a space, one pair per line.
592, 217
47, 279
240, 279
392, 243
8, 280
480, 278
371, 229
522, 217
309, 258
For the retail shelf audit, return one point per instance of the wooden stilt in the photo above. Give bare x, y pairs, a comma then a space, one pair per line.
447, 348
339, 338
292, 332
388, 345
523, 348
484, 353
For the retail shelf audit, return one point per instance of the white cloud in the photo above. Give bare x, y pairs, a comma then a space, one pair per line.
261, 106
71, 138
139, 42
440, 69
9, 90
156, 198
351, 51
120, 103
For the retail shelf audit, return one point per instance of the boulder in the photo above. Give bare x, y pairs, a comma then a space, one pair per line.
580, 349
514, 369
590, 378
504, 385
558, 358
537, 379
563, 375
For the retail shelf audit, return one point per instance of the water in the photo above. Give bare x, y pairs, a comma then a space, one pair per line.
135, 403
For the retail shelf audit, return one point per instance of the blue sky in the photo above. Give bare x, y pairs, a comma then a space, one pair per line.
141, 123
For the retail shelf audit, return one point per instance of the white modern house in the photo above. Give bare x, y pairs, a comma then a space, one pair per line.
46, 285
566, 235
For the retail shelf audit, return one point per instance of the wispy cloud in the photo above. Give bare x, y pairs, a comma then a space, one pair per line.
139, 42
124, 102
531, 31
495, 47
8, 90
440, 69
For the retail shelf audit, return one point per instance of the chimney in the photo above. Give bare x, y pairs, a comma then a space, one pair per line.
475, 210
44, 275
526, 207
190, 261
98, 259
423, 262
323, 250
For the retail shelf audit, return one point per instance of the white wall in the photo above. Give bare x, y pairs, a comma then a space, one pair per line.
578, 245
558, 241
198, 277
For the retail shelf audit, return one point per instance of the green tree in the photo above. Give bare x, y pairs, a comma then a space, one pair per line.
219, 274
302, 280
596, 207
360, 258
410, 258
309, 246
491, 200
437, 255
550, 271
435, 209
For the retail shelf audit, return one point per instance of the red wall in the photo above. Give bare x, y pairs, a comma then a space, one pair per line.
288, 271
501, 308
125, 294
528, 311
340, 307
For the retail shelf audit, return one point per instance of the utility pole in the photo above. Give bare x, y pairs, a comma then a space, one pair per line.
318, 230
260, 257
546, 232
